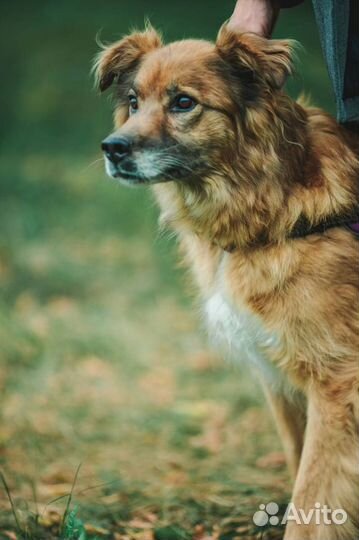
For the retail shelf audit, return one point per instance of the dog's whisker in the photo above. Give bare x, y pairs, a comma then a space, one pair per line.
101, 159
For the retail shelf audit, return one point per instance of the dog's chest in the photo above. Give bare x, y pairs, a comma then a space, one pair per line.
242, 333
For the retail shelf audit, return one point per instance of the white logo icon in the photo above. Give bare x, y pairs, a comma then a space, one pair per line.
266, 514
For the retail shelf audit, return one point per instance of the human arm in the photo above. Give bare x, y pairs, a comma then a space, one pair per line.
258, 16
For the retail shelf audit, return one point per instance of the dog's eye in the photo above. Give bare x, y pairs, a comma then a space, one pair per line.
183, 103
133, 103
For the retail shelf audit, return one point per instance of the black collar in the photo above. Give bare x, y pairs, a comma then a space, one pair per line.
303, 228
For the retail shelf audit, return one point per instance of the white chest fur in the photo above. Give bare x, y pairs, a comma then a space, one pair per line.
243, 335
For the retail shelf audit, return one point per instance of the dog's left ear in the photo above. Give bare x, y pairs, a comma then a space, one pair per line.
269, 60
124, 56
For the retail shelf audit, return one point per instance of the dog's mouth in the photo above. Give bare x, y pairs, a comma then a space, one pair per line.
134, 176
153, 166
121, 172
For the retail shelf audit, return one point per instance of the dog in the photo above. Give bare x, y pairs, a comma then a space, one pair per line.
258, 189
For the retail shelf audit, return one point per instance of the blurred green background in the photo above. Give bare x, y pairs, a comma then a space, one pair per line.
103, 361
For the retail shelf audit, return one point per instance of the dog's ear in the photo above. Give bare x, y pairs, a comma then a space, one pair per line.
123, 56
267, 60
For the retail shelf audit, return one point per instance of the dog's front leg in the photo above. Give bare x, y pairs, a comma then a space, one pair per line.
327, 486
290, 417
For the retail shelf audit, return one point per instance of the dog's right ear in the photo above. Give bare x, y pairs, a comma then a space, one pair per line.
267, 61
123, 56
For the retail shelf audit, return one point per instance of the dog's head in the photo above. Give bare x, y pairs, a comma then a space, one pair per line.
182, 109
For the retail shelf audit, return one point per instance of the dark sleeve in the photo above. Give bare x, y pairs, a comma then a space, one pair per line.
339, 35
351, 76
289, 3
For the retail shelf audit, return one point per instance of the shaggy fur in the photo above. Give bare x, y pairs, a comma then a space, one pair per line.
233, 176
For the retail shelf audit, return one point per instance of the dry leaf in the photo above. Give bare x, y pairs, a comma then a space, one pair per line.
110, 499
146, 535
274, 460
203, 361
137, 523
92, 529
159, 386
9, 534
243, 529
49, 519
52, 491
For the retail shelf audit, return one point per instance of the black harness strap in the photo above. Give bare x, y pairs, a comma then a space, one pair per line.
303, 228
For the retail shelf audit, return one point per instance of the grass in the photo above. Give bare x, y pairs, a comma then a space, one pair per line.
102, 358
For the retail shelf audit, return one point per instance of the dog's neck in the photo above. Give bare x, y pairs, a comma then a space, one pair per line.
279, 178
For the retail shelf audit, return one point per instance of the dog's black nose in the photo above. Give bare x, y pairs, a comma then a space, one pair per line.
116, 148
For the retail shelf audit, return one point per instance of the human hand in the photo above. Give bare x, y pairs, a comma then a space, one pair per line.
257, 16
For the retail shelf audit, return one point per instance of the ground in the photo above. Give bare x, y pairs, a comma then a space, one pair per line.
106, 367
117, 420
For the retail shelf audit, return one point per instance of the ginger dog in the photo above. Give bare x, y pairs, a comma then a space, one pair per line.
251, 182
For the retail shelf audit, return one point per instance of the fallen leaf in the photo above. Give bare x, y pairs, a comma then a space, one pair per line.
93, 529
243, 529
110, 499
146, 535
203, 361
274, 460
52, 491
200, 533
10, 534
137, 523
49, 519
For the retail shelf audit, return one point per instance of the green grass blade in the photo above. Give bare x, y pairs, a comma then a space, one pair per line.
69, 500
8, 493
